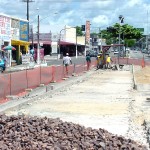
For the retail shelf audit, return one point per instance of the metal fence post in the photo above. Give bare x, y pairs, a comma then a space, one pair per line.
27, 77
10, 84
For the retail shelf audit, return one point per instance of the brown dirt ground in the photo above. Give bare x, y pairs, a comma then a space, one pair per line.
142, 75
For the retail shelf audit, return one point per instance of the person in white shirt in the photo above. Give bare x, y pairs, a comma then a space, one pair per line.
67, 61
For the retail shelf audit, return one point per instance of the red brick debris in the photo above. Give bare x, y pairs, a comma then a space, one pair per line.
33, 133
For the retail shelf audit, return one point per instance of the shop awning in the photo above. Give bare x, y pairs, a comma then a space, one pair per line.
42, 42
19, 42
66, 43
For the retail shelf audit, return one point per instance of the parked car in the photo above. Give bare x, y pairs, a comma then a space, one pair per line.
116, 52
143, 51
2, 65
92, 53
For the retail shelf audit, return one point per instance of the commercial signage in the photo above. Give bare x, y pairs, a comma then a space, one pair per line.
5, 28
23, 31
15, 24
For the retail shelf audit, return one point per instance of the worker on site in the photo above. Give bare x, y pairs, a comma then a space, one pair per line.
108, 62
99, 61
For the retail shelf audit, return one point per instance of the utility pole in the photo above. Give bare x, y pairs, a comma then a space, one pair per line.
120, 22
101, 39
38, 43
147, 34
28, 1
32, 37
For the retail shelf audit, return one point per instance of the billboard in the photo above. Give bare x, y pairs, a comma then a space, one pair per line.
24, 31
15, 25
5, 28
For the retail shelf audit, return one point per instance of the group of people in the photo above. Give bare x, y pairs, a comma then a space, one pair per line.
100, 61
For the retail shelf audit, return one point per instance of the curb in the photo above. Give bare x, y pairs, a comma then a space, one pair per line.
139, 86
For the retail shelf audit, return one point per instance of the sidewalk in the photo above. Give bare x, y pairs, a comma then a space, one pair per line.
30, 65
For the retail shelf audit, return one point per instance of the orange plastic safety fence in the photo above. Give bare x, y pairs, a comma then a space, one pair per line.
18, 82
46, 75
34, 77
4, 85
59, 73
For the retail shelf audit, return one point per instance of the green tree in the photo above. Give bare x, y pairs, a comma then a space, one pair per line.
128, 34
79, 31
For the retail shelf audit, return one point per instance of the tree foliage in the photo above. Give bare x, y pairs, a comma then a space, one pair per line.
79, 31
128, 34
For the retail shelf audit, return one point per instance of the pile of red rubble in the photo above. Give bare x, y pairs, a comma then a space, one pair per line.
33, 133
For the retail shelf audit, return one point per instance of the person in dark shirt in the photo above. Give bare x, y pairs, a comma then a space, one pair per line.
88, 61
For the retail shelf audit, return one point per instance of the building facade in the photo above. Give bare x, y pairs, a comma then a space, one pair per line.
13, 31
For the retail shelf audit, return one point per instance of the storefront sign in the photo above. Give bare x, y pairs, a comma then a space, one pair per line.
15, 24
5, 28
26, 59
23, 31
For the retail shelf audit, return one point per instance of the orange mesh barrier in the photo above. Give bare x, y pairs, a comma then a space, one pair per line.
34, 77
59, 73
79, 69
4, 85
46, 75
70, 70
18, 82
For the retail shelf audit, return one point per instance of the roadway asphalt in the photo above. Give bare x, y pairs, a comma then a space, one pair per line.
50, 60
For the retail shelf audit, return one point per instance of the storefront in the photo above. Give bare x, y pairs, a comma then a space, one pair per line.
19, 38
5, 39
21, 48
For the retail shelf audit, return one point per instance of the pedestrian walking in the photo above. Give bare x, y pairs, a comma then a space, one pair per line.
108, 62
67, 61
88, 61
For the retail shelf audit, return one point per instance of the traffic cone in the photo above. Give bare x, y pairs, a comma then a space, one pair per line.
143, 62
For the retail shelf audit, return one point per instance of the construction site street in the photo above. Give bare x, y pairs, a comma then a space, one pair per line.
98, 99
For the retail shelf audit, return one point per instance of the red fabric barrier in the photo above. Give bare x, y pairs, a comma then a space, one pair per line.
79, 68
59, 73
70, 70
46, 75
34, 77
4, 85
18, 82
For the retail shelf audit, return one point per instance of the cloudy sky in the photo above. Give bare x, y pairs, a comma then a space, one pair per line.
55, 14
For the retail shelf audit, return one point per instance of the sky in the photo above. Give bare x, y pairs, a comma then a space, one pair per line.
55, 14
